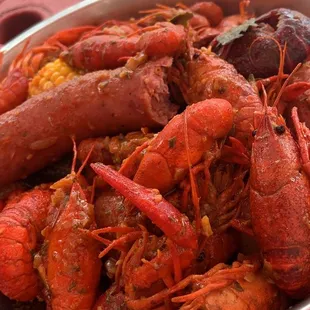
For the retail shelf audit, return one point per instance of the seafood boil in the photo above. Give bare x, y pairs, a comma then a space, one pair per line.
159, 162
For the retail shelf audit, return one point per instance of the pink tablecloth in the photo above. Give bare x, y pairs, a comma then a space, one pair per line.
18, 15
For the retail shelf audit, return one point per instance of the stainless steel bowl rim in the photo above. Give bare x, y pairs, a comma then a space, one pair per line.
96, 11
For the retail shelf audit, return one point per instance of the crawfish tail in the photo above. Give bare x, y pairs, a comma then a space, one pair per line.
21, 222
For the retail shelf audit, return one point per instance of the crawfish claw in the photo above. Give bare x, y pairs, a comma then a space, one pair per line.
163, 214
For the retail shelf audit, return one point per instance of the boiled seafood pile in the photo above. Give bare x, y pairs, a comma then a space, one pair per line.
161, 162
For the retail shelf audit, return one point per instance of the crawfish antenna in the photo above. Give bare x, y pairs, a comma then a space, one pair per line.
281, 72
75, 158
192, 178
265, 98
276, 102
85, 160
20, 55
93, 190
242, 7
74, 155
282, 59
277, 85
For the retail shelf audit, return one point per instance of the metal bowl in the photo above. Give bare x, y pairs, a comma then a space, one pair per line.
97, 11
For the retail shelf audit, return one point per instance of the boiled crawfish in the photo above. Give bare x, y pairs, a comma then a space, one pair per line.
201, 14
206, 121
21, 222
109, 51
257, 52
224, 287
150, 201
68, 261
279, 199
207, 76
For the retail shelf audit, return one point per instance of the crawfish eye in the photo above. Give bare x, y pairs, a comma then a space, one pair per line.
254, 133
280, 129
196, 55
201, 257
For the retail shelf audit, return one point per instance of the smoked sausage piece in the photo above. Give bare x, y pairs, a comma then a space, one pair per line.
101, 103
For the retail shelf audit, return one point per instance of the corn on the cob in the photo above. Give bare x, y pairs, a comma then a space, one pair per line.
51, 75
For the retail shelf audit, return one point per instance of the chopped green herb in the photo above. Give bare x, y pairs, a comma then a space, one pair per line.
76, 268
72, 285
172, 142
235, 32
236, 286
83, 291
182, 18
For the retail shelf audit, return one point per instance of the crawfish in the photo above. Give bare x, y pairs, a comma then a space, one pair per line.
208, 76
257, 52
216, 248
203, 123
109, 51
112, 27
224, 287
279, 201
150, 264
21, 222
68, 262
149, 202
161, 263
201, 14
188, 138
160, 266
202, 17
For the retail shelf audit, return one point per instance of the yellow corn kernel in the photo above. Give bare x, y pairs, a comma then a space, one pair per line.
59, 80
54, 77
65, 71
48, 85
51, 75
42, 81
